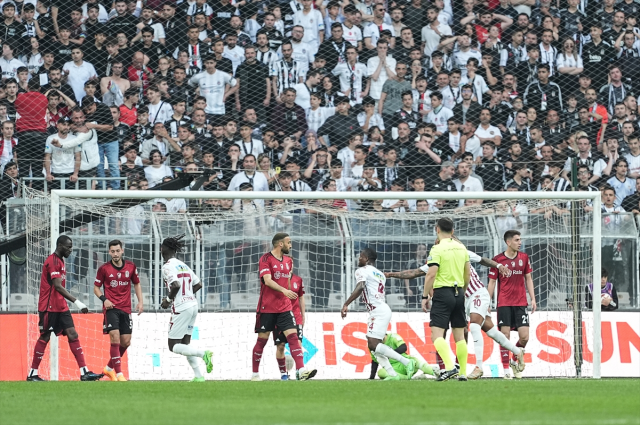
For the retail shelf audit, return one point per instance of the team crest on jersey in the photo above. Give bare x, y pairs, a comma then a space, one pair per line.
113, 283
520, 263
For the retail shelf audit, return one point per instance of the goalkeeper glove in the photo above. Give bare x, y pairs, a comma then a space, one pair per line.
79, 304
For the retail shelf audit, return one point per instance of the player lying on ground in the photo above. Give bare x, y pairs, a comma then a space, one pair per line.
477, 308
117, 276
512, 297
370, 283
396, 343
298, 312
182, 284
274, 310
53, 312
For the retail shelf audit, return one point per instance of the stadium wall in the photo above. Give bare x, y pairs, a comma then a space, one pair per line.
337, 347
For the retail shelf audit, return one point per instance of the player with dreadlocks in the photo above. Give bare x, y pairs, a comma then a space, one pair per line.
182, 284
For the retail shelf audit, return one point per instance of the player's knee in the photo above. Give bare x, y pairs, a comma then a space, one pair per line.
125, 344
524, 339
373, 345
280, 350
72, 335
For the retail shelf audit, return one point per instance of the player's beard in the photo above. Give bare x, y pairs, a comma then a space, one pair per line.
285, 250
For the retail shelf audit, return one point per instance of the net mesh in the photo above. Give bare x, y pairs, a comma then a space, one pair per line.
226, 238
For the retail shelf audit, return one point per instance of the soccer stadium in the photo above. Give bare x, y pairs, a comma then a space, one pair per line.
207, 199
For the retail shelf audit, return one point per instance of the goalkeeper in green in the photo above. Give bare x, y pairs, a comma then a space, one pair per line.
396, 342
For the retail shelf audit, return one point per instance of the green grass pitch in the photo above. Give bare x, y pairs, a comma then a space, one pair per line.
488, 401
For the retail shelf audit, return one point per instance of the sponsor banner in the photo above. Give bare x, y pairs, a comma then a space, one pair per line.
338, 348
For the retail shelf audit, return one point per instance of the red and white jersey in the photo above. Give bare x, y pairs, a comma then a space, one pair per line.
298, 288
474, 282
374, 282
175, 270
511, 289
280, 270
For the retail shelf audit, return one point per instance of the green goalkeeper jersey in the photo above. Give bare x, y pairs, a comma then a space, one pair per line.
393, 341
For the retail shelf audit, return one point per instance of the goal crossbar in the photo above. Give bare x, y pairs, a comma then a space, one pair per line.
595, 197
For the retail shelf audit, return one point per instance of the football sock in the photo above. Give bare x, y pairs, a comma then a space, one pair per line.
390, 353
76, 349
33, 372
425, 367
462, 353
114, 353
478, 343
515, 356
282, 365
445, 353
384, 362
439, 361
187, 350
504, 356
83, 370
38, 353
257, 353
296, 350
193, 362
499, 337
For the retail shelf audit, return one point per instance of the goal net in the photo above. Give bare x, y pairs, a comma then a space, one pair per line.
227, 232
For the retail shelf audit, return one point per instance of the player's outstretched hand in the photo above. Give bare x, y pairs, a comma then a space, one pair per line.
290, 294
387, 274
504, 271
83, 308
343, 312
165, 303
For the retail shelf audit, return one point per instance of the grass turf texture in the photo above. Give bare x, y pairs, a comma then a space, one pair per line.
488, 401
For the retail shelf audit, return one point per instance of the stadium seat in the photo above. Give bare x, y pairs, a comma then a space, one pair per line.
212, 302
22, 302
335, 301
623, 300
396, 300
244, 301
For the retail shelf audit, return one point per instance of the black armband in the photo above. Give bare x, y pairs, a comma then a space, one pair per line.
426, 298
102, 298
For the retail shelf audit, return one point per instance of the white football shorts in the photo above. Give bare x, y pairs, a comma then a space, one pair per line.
478, 303
378, 322
182, 323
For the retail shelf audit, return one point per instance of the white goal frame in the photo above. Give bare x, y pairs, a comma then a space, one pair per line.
595, 197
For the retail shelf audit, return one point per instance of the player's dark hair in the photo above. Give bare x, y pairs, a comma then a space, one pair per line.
445, 224
604, 272
509, 234
279, 237
175, 243
115, 242
371, 254
62, 239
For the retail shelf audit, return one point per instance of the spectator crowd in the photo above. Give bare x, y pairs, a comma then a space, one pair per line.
264, 95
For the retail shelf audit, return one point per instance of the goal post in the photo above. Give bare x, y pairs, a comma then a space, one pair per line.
352, 229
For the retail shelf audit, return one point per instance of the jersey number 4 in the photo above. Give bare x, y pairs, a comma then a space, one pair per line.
186, 280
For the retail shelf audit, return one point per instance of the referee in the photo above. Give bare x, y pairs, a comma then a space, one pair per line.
448, 277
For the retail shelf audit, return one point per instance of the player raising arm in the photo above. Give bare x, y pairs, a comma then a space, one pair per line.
477, 305
53, 312
274, 310
182, 284
370, 284
298, 312
117, 276
512, 297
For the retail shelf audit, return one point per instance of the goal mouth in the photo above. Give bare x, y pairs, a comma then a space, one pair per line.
227, 232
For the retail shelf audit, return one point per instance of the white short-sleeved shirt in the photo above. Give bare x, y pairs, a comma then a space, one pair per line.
487, 133
254, 148
313, 23
473, 145
478, 84
460, 58
376, 86
62, 160
352, 35
160, 112
302, 52
78, 75
372, 31
374, 283
634, 163
431, 39
471, 185
10, 68
440, 119
316, 118
175, 270
235, 55
623, 188
212, 87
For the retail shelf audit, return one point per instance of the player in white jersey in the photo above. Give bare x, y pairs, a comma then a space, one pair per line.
215, 85
182, 285
477, 306
370, 283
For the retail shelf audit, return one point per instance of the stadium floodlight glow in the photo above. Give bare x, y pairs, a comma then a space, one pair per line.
67, 198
